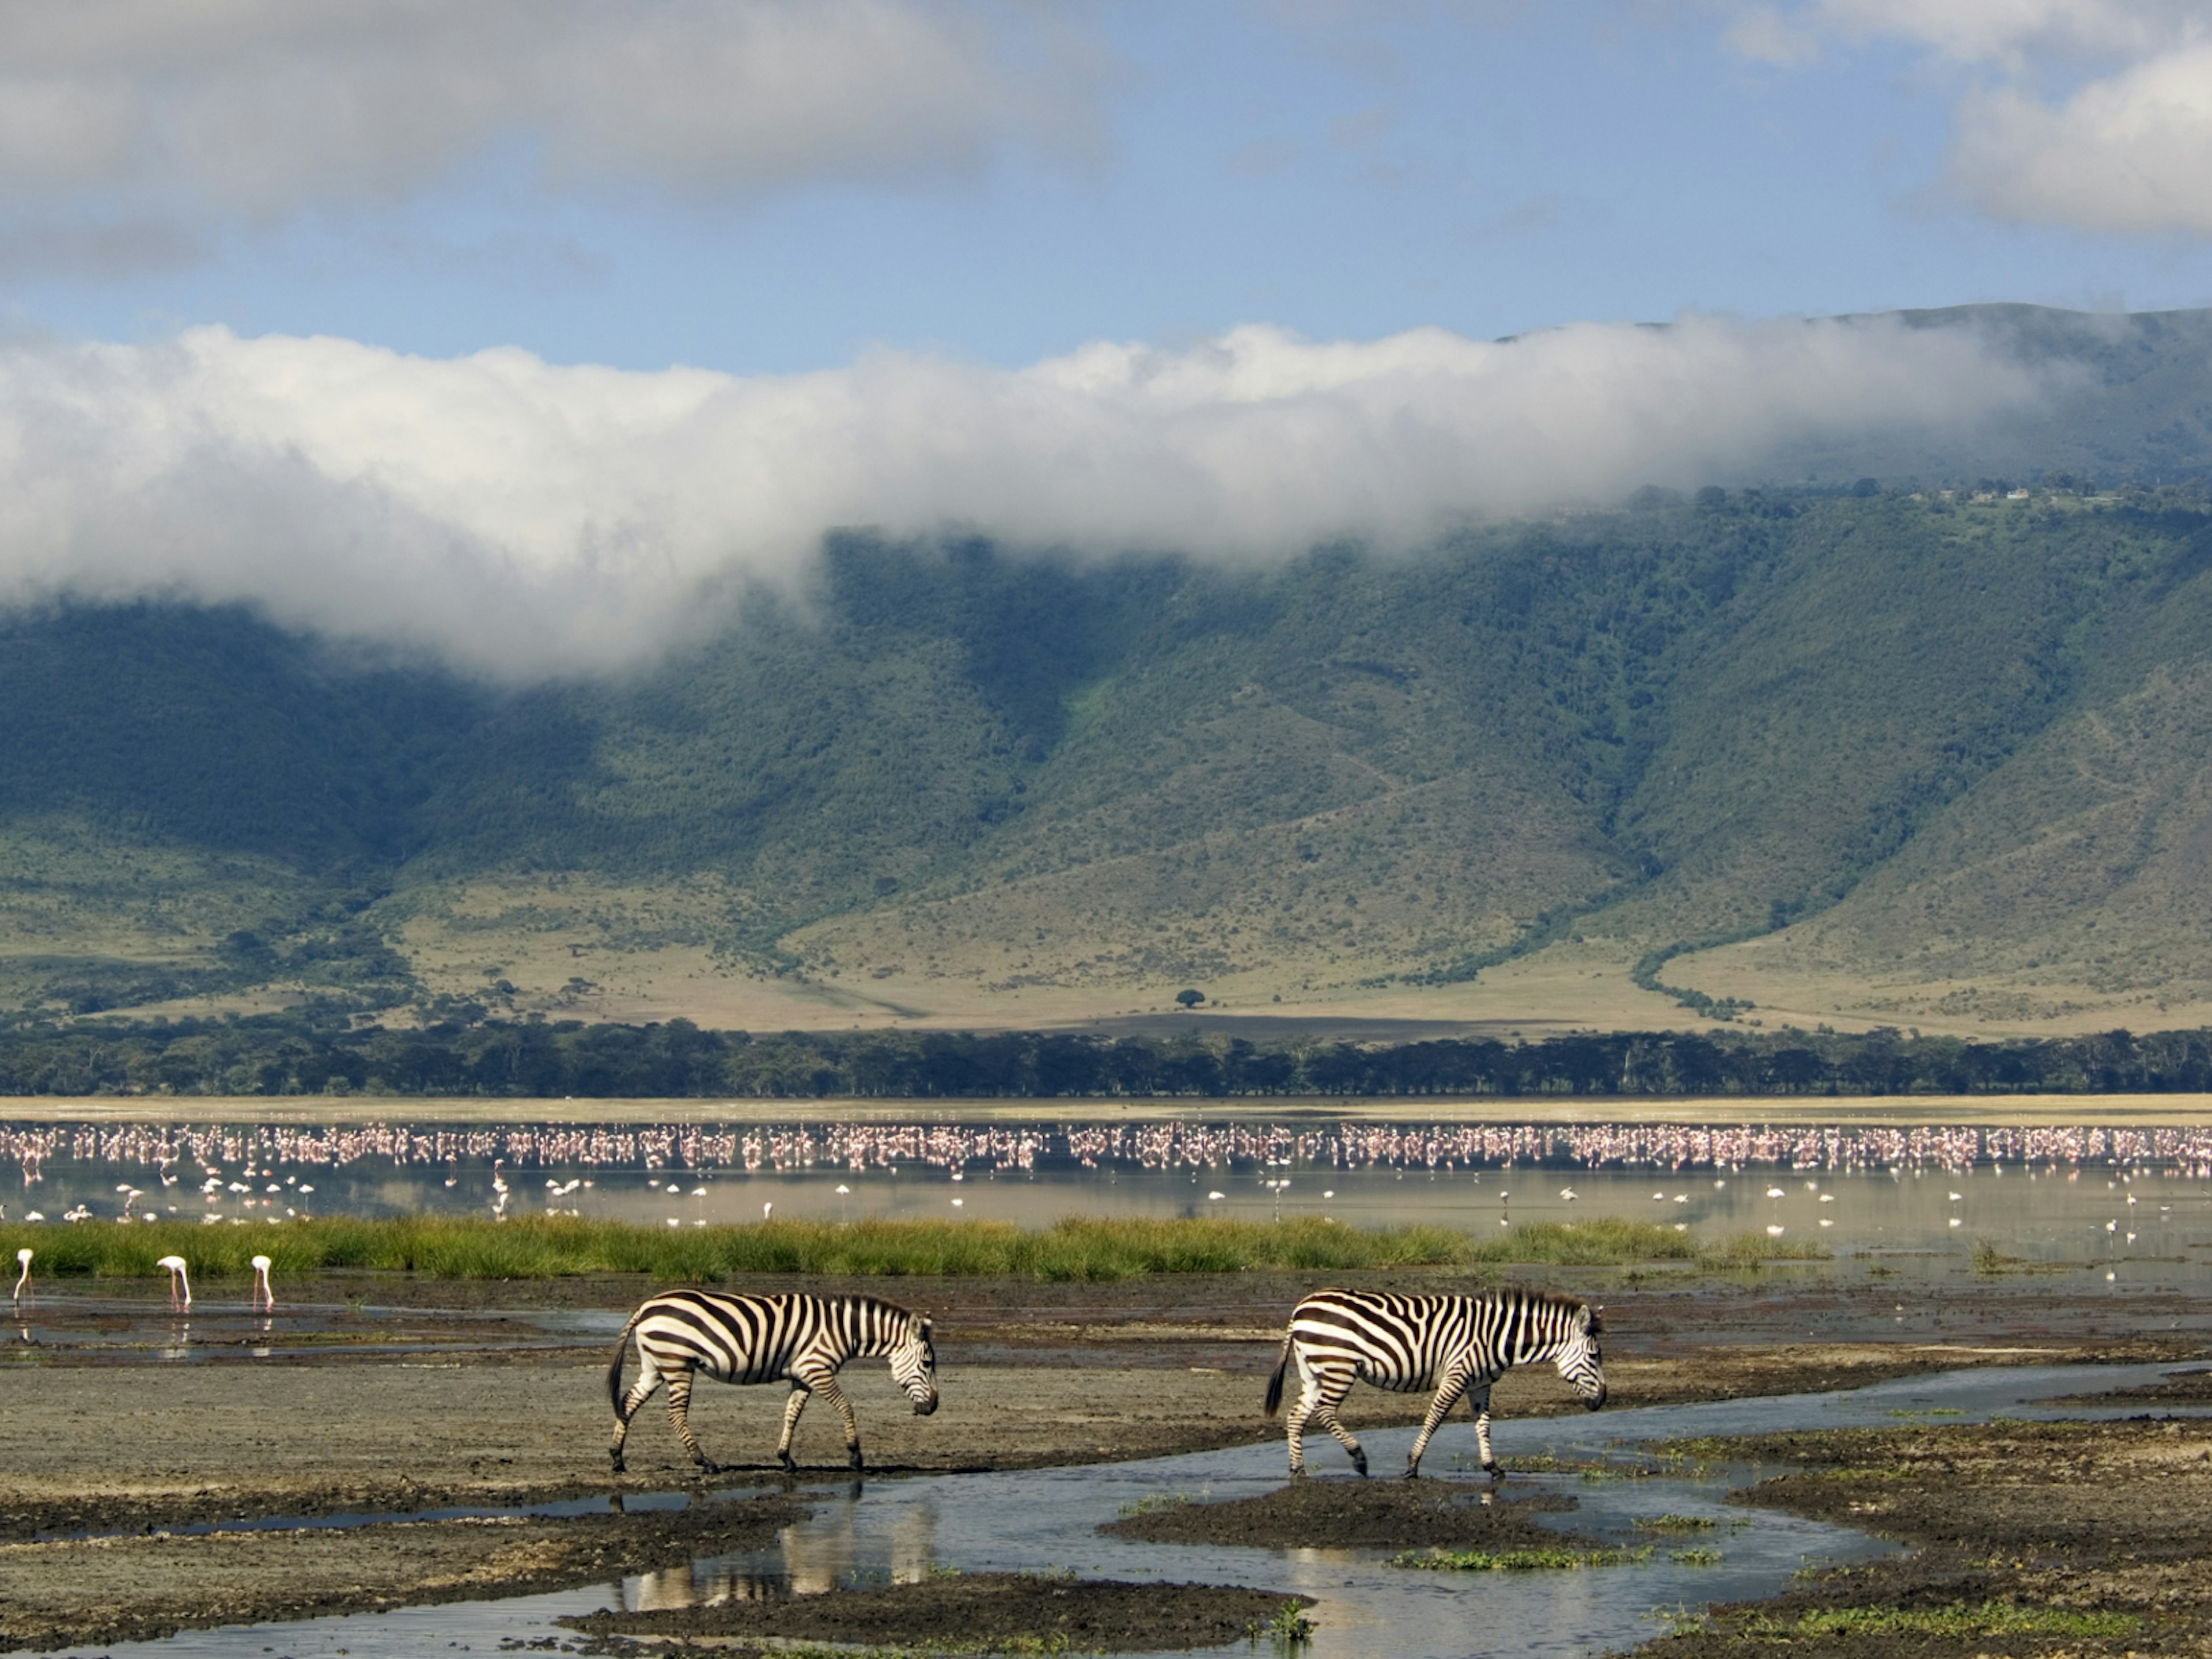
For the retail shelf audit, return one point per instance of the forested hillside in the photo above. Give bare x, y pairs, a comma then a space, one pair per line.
1922, 749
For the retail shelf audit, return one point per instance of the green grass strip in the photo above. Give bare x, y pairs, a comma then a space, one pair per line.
553, 1247
1518, 1560
1988, 1619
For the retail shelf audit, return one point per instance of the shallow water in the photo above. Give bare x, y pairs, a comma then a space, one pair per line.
1046, 1520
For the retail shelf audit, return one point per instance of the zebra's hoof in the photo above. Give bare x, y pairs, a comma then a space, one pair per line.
852, 1460
616, 1459
1493, 1471
1412, 1472
789, 1466
1361, 1464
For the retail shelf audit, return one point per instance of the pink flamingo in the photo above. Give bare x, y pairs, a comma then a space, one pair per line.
23, 1283
262, 1294
179, 1284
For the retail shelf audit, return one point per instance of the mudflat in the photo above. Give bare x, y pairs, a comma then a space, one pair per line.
1021, 1612
495, 1407
1357, 1515
2081, 1538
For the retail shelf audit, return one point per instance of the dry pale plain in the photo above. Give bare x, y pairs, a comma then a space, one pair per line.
1571, 986
575, 948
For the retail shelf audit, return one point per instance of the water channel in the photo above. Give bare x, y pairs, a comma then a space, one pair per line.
1047, 1521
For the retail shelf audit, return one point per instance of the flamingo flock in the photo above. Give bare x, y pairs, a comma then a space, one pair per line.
256, 1152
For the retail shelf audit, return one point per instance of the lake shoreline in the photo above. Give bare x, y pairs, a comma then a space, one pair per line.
1898, 1111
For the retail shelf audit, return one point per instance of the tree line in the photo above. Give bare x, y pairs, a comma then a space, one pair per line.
307, 1053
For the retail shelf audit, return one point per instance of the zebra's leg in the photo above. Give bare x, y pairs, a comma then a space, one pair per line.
1295, 1423
648, 1379
1309, 1396
791, 1408
680, 1413
1448, 1394
1323, 1394
824, 1382
1479, 1403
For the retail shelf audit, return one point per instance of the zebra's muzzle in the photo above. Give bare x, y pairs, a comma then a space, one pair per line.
925, 1407
1592, 1402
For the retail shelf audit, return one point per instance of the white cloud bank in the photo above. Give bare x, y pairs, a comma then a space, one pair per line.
524, 518
2131, 153
2127, 148
129, 130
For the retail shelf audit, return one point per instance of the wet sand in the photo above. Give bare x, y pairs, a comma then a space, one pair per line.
1023, 1612
511, 1412
1359, 1515
2030, 1537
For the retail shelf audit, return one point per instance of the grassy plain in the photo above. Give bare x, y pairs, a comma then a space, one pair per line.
1073, 1250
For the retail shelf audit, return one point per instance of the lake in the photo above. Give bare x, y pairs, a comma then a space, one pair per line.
2096, 1197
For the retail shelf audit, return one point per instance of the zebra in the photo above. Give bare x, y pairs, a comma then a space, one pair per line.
1459, 1344
765, 1339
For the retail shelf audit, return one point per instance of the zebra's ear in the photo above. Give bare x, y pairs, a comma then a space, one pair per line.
1593, 1319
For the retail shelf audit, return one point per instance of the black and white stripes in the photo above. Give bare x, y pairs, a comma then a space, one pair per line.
1458, 1344
765, 1339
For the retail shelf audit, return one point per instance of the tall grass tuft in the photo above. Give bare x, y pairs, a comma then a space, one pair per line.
1078, 1248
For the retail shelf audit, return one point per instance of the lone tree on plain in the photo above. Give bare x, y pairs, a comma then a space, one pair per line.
1190, 998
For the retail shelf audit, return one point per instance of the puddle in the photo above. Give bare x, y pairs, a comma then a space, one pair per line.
1046, 1520
105, 1326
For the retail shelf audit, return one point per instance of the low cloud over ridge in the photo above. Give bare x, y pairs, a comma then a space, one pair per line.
523, 518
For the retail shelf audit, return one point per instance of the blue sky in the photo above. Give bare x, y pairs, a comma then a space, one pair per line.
1340, 171
526, 330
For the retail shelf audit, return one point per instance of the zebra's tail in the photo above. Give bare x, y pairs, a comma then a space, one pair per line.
615, 1363
1276, 1382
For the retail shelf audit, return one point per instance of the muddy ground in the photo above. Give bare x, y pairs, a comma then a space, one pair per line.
1358, 1515
1032, 1611
2081, 1539
135, 1587
397, 1395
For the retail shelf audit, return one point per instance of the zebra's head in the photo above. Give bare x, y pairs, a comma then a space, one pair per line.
1579, 1360
914, 1364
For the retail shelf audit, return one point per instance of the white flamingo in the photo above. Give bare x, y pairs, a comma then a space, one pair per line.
180, 1285
263, 1296
23, 1283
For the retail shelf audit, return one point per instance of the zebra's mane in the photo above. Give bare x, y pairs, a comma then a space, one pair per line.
1549, 1301
884, 1305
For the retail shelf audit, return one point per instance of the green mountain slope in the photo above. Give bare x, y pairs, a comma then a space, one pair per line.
1922, 754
